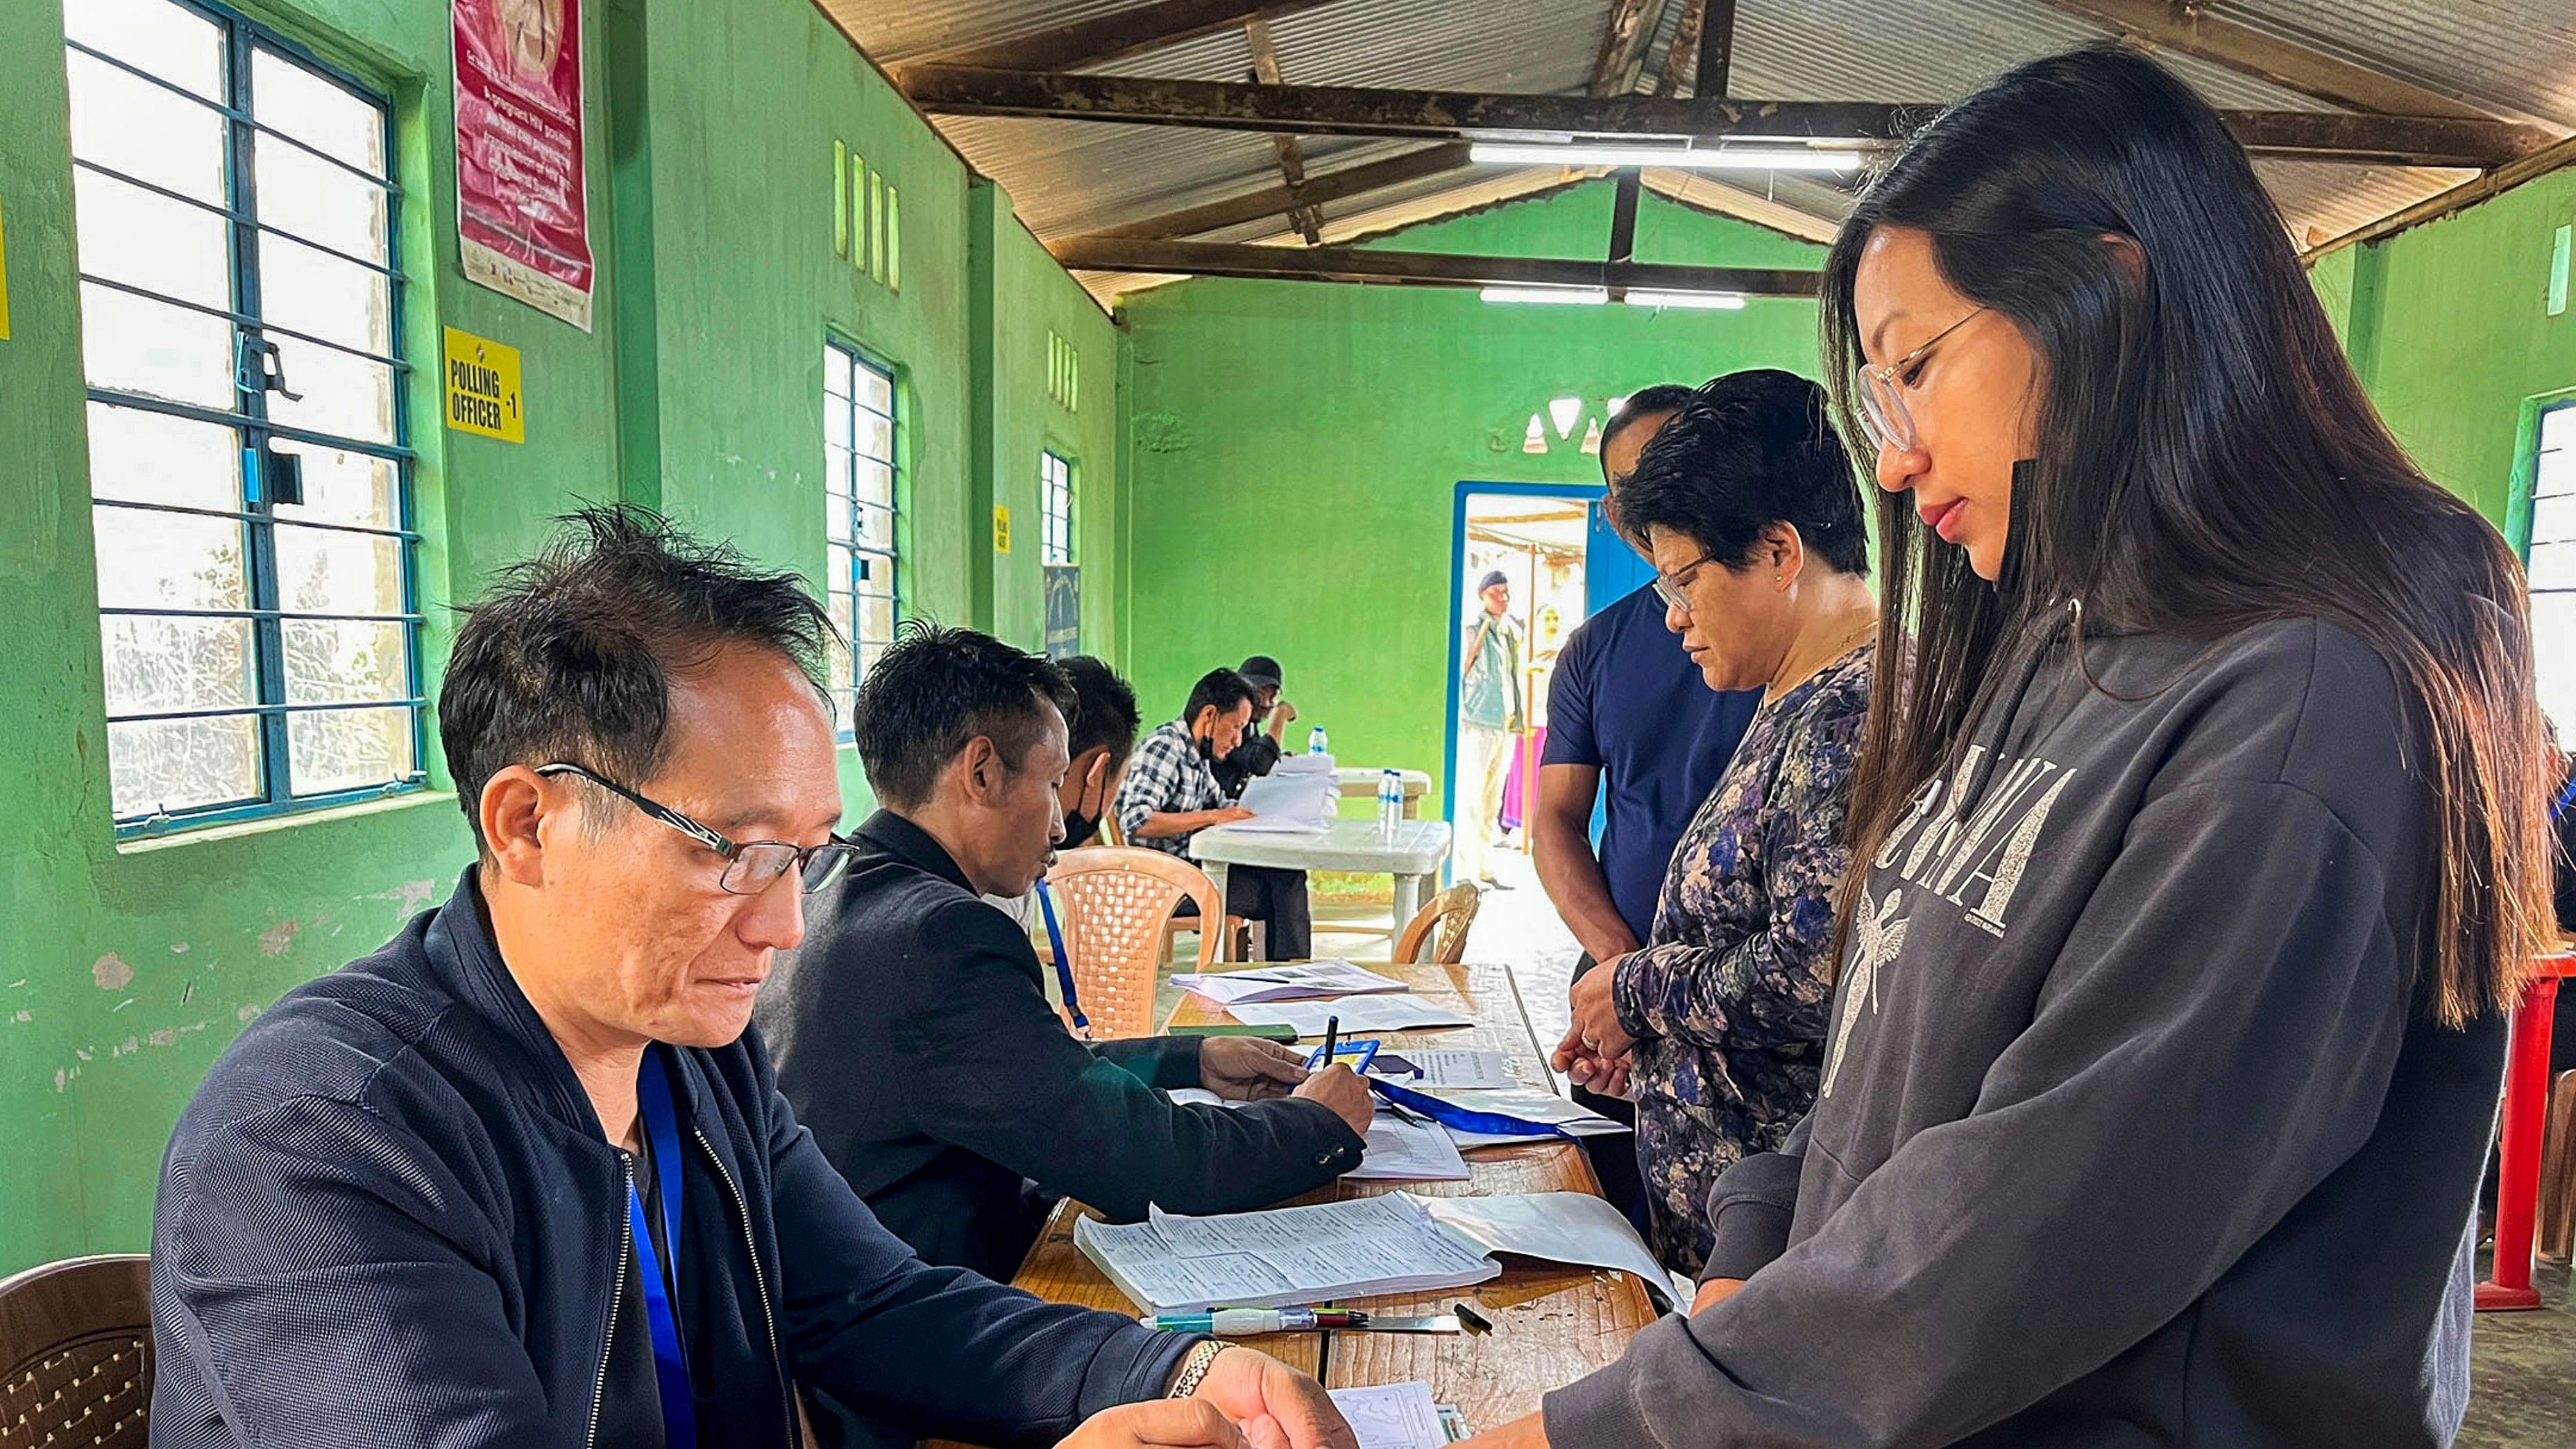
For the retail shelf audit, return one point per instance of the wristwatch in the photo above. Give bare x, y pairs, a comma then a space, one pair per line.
1194, 1369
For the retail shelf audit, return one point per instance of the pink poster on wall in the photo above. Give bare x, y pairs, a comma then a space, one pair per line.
522, 203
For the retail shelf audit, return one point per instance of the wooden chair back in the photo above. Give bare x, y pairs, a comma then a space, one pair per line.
2558, 1169
1113, 903
1442, 924
76, 1353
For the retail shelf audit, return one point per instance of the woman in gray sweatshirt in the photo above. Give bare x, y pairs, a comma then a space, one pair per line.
2197, 838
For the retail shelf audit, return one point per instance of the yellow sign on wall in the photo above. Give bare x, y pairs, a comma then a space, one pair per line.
483, 388
1001, 529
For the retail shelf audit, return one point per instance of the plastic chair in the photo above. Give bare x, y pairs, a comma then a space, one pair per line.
1114, 904
76, 1353
1443, 922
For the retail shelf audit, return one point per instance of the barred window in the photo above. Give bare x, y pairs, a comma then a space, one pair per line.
250, 483
1055, 503
859, 469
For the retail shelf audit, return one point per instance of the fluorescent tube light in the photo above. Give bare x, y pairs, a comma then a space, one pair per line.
1745, 158
1579, 296
1715, 301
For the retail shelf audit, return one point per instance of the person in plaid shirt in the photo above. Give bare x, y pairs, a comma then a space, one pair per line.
1171, 794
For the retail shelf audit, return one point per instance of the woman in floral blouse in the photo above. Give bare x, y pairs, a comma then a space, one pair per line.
1752, 514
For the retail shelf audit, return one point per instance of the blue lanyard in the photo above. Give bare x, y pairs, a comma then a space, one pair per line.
2566, 797
1450, 1114
670, 1368
1063, 964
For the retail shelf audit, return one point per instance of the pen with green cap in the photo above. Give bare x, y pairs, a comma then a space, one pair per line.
1244, 1322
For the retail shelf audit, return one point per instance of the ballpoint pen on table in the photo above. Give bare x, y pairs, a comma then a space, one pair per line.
1241, 1322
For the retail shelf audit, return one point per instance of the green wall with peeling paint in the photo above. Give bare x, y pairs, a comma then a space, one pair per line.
125, 969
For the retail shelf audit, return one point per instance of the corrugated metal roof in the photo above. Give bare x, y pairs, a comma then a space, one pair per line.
2516, 58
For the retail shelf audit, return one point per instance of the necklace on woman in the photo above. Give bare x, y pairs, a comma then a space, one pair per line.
1790, 677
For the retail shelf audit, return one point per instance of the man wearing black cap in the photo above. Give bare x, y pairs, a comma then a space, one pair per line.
1263, 744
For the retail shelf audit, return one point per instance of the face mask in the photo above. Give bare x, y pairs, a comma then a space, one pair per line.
1078, 829
1207, 748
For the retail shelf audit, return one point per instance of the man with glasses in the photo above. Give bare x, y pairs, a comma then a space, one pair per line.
522, 1176
912, 1030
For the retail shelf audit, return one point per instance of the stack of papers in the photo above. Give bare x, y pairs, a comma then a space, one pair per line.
1393, 1416
1401, 1151
1175, 1264
1287, 983
1451, 1070
1530, 1105
1397, 1243
1359, 1015
1300, 795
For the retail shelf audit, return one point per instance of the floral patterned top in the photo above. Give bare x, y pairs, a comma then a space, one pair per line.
1730, 1000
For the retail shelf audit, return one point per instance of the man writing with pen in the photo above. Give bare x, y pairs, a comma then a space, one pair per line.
912, 1030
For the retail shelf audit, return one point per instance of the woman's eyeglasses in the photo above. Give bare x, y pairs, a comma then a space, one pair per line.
1669, 587
1882, 401
751, 866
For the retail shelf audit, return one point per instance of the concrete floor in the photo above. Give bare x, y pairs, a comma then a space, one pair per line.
2523, 1391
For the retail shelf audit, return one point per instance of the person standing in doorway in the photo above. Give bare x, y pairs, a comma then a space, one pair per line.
1489, 720
1631, 719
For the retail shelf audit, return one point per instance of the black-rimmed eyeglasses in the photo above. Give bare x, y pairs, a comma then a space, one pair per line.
751, 866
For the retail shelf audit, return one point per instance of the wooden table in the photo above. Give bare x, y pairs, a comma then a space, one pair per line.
1552, 1324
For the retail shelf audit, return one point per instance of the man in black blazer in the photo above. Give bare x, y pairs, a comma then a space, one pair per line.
912, 1031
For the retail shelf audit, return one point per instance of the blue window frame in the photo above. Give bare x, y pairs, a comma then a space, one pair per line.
862, 476
250, 474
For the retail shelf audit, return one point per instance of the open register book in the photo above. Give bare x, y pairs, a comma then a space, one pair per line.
1360, 1248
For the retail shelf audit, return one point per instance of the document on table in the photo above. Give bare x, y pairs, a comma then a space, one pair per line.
1175, 1264
1561, 1227
1299, 801
1393, 1416
1467, 1070
1288, 983
1530, 1105
1358, 1014
1401, 1151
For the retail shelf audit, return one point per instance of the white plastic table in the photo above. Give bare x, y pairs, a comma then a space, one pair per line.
1356, 781
1413, 853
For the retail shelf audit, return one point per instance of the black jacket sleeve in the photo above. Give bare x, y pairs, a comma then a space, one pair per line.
1157, 1061
978, 1361
995, 1072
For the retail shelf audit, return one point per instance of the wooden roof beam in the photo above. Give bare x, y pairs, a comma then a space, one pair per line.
1716, 69
1276, 200
1362, 111
1623, 46
1356, 264
2189, 30
1118, 34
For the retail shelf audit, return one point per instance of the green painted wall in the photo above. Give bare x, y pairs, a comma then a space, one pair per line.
1035, 298
1294, 451
2448, 329
123, 970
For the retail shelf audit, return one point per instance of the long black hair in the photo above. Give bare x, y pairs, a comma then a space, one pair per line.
2205, 460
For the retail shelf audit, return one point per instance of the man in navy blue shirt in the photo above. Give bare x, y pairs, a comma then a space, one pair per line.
1627, 709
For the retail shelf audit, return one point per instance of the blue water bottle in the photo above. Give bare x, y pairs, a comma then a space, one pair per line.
1390, 801
1315, 744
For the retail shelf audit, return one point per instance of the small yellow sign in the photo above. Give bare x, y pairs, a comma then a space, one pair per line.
483, 388
1001, 529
